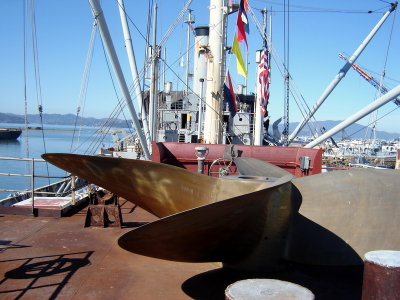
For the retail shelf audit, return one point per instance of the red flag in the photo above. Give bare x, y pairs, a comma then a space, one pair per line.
264, 79
241, 27
243, 9
229, 95
242, 22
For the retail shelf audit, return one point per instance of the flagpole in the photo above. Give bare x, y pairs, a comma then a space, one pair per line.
258, 120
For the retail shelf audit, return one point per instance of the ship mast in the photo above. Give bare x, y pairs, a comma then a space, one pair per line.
134, 71
105, 34
153, 103
342, 72
189, 21
212, 134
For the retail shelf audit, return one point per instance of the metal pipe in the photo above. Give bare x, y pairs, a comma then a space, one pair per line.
341, 74
189, 22
60, 189
200, 111
22, 159
99, 16
392, 94
33, 186
164, 67
134, 70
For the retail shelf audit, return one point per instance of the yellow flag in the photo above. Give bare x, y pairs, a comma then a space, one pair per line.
239, 58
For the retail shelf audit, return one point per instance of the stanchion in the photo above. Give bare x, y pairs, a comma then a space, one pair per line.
381, 278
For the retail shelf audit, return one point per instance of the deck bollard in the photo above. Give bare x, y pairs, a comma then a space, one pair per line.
381, 278
267, 289
201, 154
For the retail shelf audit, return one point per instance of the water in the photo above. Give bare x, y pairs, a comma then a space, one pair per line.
57, 139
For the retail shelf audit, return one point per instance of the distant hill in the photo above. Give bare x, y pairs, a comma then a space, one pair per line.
58, 119
11, 118
355, 131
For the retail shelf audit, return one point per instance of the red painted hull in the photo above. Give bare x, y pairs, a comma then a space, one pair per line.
183, 155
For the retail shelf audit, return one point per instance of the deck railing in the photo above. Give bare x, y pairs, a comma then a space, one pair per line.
67, 184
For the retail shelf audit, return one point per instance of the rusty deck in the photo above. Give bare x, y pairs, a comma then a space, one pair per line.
57, 258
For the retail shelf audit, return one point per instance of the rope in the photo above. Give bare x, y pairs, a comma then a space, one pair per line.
379, 90
101, 133
85, 80
309, 9
35, 55
286, 21
27, 165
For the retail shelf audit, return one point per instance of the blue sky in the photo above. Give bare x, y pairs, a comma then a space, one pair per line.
318, 31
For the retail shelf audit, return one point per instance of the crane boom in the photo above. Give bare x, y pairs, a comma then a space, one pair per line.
370, 79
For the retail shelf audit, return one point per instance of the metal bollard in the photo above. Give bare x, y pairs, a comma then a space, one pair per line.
267, 289
201, 154
381, 278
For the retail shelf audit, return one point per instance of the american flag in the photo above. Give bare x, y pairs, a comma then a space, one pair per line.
263, 79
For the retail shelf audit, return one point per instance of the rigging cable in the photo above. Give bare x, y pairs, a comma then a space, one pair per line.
379, 91
111, 120
324, 10
37, 75
294, 90
147, 43
26, 135
136, 83
287, 77
85, 80
349, 135
25, 80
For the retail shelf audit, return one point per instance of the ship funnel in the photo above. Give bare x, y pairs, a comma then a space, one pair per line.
168, 87
200, 58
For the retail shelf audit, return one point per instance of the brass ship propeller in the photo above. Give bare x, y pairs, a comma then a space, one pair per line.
254, 220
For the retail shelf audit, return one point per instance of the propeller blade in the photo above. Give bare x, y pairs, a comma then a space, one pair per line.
227, 231
355, 209
343, 214
158, 188
255, 167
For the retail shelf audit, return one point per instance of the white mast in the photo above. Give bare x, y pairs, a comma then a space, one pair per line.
212, 120
134, 71
341, 74
189, 21
99, 16
392, 94
153, 105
